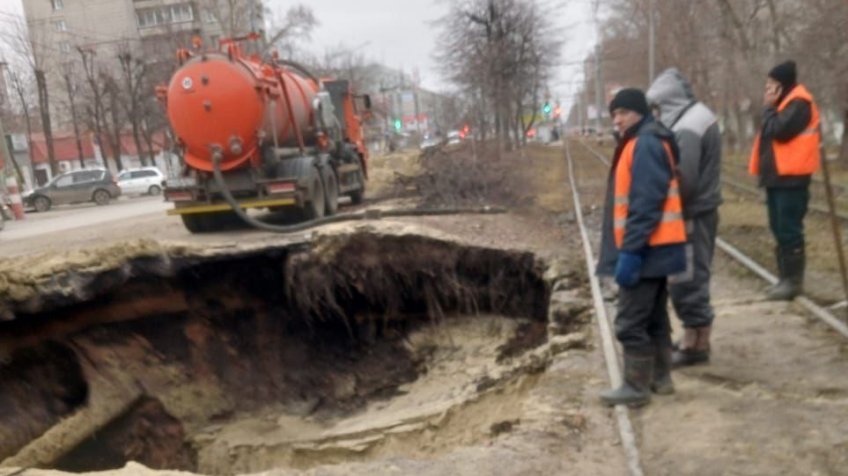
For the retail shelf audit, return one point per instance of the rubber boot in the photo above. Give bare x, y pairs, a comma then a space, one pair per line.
792, 280
694, 348
635, 390
781, 271
662, 384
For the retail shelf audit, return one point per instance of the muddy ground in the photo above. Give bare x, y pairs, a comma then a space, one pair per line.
456, 369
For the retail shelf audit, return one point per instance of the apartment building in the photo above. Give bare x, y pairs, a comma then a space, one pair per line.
152, 28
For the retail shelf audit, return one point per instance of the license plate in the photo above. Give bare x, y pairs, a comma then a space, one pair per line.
179, 196
280, 187
181, 182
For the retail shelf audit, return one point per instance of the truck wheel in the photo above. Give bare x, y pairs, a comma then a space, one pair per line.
331, 190
211, 222
41, 204
195, 223
317, 204
357, 196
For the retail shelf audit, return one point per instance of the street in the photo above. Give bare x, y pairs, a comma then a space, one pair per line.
70, 217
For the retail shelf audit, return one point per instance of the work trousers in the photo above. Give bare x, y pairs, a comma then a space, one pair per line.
786, 209
642, 318
690, 290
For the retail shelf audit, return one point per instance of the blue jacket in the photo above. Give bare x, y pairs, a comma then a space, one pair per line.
651, 173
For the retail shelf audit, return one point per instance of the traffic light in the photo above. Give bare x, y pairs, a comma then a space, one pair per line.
546, 109
398, 125
557, 112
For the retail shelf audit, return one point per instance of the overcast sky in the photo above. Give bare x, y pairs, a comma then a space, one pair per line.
401, 34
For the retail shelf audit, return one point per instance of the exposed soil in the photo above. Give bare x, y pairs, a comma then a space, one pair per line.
341, 348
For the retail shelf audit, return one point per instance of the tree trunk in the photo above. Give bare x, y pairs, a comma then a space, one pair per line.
148, 140
44, 106
69, 89
115, 135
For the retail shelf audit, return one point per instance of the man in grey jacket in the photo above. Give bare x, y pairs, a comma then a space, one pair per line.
699, 140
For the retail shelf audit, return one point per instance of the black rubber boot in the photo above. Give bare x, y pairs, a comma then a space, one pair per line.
792, 280
635, 390
693, 349
781, 272
662, 384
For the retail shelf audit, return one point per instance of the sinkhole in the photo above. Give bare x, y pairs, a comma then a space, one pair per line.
342, 348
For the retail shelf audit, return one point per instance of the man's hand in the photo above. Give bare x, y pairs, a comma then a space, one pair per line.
628, 269
771, 95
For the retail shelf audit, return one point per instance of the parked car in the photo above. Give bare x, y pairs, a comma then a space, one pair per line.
6, 213
454, 137
143, 181
90, 185
430, 143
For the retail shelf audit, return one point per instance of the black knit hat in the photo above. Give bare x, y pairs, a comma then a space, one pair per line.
785, 73
631, 99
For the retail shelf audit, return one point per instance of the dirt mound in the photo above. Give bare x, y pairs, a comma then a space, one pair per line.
464, 175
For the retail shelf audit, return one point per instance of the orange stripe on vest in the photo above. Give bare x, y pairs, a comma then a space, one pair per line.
671, 228
800, 155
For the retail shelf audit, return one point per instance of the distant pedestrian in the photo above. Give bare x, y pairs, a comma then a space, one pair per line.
699, 140
641, 244
785, 156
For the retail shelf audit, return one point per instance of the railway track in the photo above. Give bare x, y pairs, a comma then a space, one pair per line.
756, 390
750, 190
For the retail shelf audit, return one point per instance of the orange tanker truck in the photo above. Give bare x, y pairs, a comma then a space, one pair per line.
257, 134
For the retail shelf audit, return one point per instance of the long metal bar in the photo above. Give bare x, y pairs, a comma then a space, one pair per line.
834, 223
625, 428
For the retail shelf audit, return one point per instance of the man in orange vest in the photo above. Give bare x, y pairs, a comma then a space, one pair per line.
785, 156
642, 243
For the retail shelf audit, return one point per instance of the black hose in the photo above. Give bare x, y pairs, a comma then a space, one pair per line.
374, 214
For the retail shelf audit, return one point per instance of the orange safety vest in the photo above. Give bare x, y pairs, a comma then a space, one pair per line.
800, 155
672, 228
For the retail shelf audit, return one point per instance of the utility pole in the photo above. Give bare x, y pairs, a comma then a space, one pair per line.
652, 41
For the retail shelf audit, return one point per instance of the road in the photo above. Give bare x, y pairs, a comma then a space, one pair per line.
66, 218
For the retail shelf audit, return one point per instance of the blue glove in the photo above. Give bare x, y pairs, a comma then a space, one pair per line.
628, 269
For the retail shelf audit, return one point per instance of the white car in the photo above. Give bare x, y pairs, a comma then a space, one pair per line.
143, 181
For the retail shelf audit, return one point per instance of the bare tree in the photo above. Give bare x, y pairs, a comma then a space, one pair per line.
21, 85
95, 108
113, 113
134, 72
33, 49
501, 52
71, 89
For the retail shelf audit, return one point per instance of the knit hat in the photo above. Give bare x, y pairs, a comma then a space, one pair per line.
785, 74
631, 99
